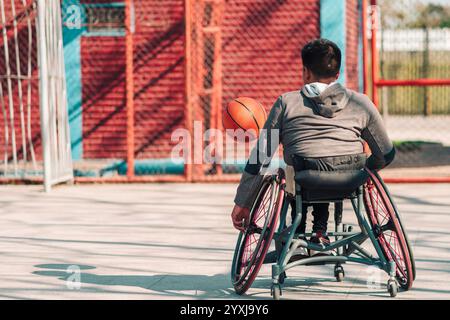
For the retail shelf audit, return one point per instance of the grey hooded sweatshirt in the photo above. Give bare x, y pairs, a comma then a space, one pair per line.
334, 122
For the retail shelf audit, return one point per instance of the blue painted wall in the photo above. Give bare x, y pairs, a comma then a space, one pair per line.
72, 13
333, 26
74, 19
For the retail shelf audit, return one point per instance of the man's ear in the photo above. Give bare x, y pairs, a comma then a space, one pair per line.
306, 74
337, 76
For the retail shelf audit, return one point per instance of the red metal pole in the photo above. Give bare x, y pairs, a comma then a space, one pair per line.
413, 82
232, 178
418, 180
365, 52
375, 65
365, 47
217, 81
188, 88
129, 88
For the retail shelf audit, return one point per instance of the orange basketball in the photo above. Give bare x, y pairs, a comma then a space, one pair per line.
244, 113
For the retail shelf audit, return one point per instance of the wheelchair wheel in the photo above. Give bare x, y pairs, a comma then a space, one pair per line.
413, 264
387, 227
253, 244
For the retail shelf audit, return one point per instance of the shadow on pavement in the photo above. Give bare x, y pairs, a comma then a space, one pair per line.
198, 286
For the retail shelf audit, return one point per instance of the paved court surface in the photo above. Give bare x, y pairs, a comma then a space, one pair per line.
433, 128
171, 241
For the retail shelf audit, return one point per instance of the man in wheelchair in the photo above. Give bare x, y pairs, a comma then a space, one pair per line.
322, 127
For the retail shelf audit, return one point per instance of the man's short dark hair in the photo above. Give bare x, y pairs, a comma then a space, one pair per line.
322, 57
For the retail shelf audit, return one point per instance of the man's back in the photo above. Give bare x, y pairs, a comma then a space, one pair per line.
322, 120
316, 123
333, 122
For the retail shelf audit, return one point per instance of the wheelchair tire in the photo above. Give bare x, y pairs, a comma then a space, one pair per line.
408, 244
388, 230
253, 244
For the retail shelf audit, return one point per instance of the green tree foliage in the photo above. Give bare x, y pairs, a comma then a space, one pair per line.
432, 16
417, 14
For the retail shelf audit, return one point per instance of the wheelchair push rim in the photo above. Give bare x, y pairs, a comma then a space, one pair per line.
253, 244
388, 230
411, 254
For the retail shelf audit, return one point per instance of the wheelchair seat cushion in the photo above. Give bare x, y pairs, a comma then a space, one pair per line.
324, 185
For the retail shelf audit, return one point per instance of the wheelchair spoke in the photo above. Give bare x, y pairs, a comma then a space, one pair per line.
263, 216
380, 209
393, 244
250, 252
387, 228
251, 241
263, 207
246, 251
397, 256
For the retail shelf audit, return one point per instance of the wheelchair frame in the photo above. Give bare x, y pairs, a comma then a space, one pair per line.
347, 243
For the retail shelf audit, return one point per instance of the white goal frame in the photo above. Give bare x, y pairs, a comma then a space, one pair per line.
53, 95
54, 120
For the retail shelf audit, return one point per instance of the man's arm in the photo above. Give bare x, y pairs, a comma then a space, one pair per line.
375, 134
252, 177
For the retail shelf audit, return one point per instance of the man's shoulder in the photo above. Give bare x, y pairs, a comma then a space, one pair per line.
361, 100
358, 97
291, 93
291, 96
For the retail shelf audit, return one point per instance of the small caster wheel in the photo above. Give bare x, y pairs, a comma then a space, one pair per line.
392, 288
276, 291
282, 277
339, 273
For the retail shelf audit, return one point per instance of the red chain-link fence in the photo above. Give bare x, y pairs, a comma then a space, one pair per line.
242, 49
145, 77
186, 60
411, 83
21, 147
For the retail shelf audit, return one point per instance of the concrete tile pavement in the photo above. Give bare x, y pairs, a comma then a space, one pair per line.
175, 241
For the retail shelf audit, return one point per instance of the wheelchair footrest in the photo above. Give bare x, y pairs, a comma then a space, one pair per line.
320, 263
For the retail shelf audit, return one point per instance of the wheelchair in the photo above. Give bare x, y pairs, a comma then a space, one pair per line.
380, 224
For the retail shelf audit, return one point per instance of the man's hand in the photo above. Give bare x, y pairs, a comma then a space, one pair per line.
240, 217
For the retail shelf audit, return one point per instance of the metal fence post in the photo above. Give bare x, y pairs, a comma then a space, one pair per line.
129, 88
43, 94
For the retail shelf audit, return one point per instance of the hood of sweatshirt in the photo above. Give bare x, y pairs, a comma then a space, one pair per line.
328, 100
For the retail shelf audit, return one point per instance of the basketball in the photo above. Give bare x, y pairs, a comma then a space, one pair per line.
244, 113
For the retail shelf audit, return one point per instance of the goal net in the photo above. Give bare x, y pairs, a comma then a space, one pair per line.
34, 119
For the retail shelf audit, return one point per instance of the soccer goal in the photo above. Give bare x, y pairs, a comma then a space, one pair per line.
35, 128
